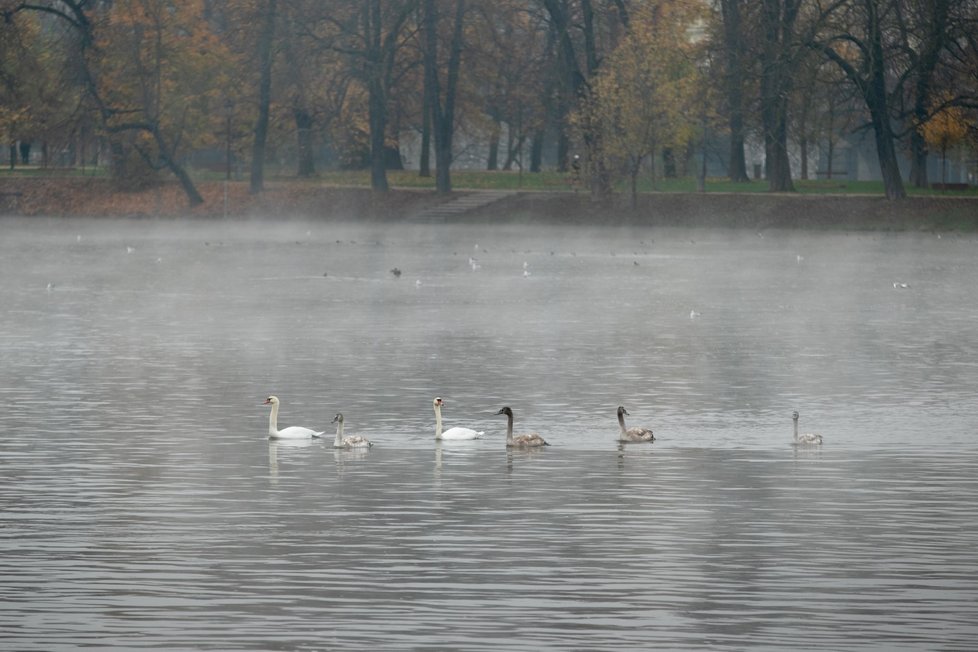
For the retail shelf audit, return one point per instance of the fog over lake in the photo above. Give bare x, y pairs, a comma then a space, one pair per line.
142, 505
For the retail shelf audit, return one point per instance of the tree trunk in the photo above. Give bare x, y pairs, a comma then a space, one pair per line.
803, 146
424, 165
876, 100
563, 148
734, 45
777, 19
178, 171
669, 163
536, 150
377, 118
443, 114
185, 182
493, 163
918, 160
303, 130
512, 151
933, 44
883, 131
634, 168
264, 98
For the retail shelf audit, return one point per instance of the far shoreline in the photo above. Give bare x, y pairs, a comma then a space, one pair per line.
284, 199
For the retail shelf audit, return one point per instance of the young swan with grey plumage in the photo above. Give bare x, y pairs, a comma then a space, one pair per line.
353, 441
632, 434
528, 440
805, 438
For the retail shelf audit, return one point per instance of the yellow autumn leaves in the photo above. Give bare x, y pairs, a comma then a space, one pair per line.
649, 94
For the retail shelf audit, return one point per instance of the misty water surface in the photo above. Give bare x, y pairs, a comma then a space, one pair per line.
144, 508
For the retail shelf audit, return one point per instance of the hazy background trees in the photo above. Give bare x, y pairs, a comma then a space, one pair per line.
632, 88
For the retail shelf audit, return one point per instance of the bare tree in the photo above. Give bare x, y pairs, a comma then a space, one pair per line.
854, 42
440, 99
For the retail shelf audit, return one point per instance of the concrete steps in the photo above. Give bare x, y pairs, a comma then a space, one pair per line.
460, 205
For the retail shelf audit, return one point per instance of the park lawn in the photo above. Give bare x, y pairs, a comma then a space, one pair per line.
516, 181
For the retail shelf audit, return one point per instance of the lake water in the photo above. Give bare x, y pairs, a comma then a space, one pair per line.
144, 508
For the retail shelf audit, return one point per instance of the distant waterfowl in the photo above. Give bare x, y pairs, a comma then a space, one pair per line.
528, 440
396, 272
292, 432
632, 434
451, 433
352, 441
805, 438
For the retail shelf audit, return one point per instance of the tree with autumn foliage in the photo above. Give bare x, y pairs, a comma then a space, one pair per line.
40, 97
16, 64
161, 74
153, 69
648, 94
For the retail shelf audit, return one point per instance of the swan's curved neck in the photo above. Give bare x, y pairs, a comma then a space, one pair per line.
509, 429
437, 422
621, 420
796, 429
273, 420
339, 434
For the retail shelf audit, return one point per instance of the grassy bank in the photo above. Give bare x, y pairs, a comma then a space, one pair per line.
515, 181
555, 181
345, 196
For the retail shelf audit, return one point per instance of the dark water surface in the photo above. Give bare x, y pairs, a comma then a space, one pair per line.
143, 507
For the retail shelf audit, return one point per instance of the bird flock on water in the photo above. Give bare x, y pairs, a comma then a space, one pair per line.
456, 433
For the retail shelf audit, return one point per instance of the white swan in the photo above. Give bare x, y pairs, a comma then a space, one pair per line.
528, 440
451, 433
632, 434
805, 438
353, 441
292, 432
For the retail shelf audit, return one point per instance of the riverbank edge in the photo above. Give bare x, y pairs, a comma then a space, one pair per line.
79, 197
